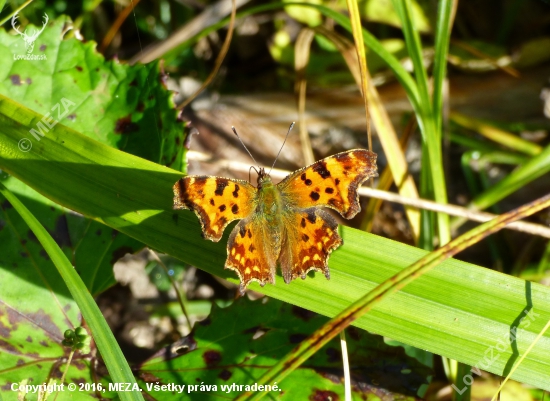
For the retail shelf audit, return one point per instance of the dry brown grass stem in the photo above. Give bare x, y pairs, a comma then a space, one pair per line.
109, 36
219, 59
301, 60
452, 210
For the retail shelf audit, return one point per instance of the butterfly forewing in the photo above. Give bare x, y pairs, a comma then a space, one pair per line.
216, 201
331, 182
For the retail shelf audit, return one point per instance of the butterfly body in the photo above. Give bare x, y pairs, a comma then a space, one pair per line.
281, 224
269, 201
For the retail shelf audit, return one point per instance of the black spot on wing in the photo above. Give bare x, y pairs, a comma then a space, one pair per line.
221, 183
212, 202
222, 208
337, 181
303, 223
314, 195
236, 191
305, 238
235, 209
329, 190
242, 231
249, 234
251, 248
311, 216
306, 180
321, 168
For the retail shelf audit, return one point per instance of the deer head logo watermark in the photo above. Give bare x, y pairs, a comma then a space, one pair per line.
33, 34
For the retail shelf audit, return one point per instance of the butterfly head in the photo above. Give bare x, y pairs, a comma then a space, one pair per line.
263, 177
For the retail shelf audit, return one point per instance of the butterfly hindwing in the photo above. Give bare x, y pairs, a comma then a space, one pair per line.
252, 251
310, 237
216, 201
331, 182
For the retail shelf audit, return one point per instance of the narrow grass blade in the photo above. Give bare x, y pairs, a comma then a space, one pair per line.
356, 29
106, 343
497, 135
526, 173
426, 120
301, 60
386, 133
445, 13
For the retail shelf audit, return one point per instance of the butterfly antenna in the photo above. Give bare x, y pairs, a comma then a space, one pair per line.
250, 169
244, 146
288, 132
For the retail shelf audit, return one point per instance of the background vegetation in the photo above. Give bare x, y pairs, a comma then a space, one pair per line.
468, 127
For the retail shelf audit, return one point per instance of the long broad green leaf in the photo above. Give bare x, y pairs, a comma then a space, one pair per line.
135, 196
327, 332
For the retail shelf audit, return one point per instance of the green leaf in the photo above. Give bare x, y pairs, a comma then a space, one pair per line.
306, 15
383, 11
123, 106
35, 304
35, 310
239, 343
127, 107
96, 97
104, 339
458, 310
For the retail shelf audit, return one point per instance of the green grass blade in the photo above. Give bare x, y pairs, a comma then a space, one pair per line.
458, 310
414, 48
442, 38
498, 135
106, 343
426, 119
526, 173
